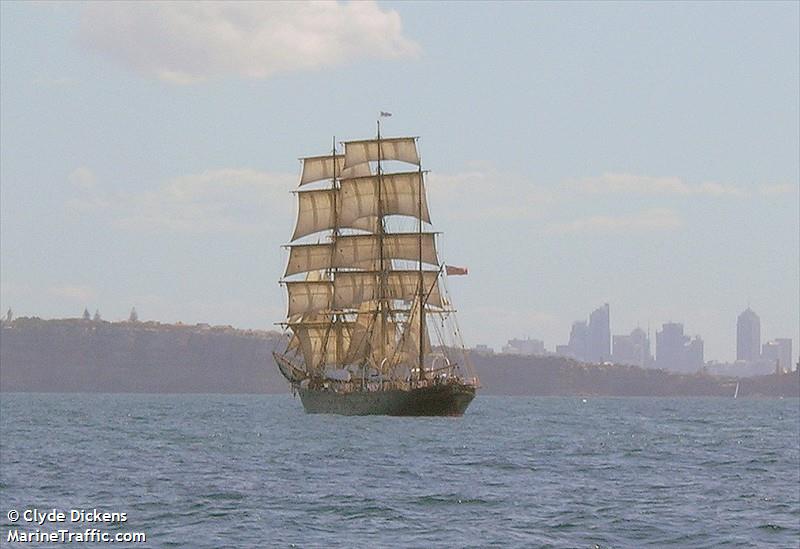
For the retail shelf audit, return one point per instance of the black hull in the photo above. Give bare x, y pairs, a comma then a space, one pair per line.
449, 399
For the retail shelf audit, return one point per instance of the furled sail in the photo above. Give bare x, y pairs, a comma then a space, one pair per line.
370, 150
317, 168
400, 193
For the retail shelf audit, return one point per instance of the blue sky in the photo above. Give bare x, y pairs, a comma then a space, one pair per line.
644, 155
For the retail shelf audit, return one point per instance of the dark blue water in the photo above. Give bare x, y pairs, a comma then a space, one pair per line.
246, 471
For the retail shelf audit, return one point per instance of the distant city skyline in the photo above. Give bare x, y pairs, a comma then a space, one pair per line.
674, 349
638, 154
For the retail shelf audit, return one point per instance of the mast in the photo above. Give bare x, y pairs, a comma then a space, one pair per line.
421, 288
333, 270
382, 282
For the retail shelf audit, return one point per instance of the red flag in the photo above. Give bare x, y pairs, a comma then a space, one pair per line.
455, 271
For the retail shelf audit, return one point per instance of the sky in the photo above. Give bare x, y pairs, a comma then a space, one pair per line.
640, 154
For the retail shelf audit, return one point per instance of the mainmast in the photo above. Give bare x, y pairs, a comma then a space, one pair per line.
382, 302
421, 299
333, 269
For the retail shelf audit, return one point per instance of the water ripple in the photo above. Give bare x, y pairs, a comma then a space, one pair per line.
206, 471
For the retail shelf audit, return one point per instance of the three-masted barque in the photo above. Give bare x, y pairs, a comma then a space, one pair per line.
366, 290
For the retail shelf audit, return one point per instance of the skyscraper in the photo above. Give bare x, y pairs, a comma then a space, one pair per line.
780, 351
748, 336
669, 346
632, 349
599, 348
590, 342
693, 355
579, 340
677, 351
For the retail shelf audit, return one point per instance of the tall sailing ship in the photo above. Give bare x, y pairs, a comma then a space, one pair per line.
367, 292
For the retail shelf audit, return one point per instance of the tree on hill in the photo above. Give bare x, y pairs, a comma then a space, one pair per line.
97, 315
9, 315
134, 317
86, 315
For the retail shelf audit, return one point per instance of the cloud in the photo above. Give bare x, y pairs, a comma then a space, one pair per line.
224, 200
655, 219
609, 183
485, 194
47, 82
90, 198
187, 42
74, 293
776, 190
83, 177
90, 202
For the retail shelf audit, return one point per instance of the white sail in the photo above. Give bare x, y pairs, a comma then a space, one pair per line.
310, 319
316, 212
309, 257
371, 150
353, 288
359, 250
294, 342
361, 335
345, 343
400, 194
308, 297
404, 285
413, 332
324, 344
318, 168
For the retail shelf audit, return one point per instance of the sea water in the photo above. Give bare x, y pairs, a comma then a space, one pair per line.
255, 471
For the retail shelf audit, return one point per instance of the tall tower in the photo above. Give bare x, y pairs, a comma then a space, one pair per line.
670, 343
579, 340
600, 334
748, 336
